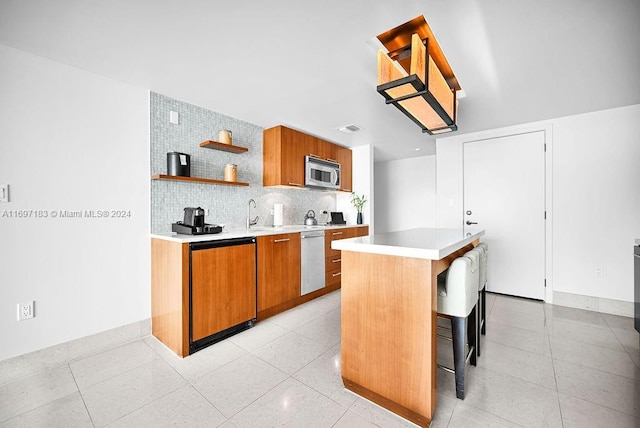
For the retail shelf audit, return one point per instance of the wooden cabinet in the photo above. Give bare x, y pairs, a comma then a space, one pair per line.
278, 273
284, 150
223, 288
328, 151
170, 294
333, 258
344, 158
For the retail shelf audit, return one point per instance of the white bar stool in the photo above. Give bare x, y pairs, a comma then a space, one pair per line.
457, 300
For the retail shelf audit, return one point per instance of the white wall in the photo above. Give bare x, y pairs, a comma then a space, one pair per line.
595, 198
362, 165
71, 140
405, 194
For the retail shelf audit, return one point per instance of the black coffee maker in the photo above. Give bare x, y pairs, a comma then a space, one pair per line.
193, 223
194, 217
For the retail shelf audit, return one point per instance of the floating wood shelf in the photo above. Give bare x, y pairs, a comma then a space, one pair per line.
197, 180
224, 147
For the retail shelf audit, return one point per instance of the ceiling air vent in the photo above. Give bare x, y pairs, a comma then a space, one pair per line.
350, 129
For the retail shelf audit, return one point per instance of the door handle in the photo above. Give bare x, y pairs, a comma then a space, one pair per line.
469, 223
282, 240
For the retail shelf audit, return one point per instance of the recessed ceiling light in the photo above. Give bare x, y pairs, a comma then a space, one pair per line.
350, 129
417, 149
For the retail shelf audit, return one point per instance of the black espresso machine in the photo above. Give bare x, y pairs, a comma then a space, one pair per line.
193, 223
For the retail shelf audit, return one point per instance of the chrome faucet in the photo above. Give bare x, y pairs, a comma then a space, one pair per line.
249, 221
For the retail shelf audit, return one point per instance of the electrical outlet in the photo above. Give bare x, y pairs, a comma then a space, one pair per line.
26, 310
598, 271
4, 193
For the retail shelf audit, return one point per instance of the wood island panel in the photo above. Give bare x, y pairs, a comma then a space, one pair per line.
170, 294
388, 314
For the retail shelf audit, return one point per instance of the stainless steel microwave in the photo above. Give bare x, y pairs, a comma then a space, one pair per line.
321, 174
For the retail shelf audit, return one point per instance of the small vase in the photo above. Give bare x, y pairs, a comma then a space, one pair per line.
359, 218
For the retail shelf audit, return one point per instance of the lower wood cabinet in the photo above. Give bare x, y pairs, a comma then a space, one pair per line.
203, 292
278, 273
333, 260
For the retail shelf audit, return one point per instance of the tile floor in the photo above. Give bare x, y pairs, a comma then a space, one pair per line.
541, 365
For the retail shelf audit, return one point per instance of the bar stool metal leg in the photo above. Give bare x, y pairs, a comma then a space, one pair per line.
463, 334
472, 337
458, 331
479, 318
483, 324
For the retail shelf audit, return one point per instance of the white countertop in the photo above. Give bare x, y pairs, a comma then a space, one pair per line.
423, 243
244, 233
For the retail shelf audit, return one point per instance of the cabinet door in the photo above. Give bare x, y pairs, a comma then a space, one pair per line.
293, 153
223, 288
344, 156
333, 261
335, 234
327, 150
278, 269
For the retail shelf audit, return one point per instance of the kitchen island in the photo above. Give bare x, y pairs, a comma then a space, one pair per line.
389, 286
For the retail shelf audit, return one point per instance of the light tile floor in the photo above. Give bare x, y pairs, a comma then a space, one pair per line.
541, 365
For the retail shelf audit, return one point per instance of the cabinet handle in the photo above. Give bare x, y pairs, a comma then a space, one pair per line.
336, 261
337, 274
282, 240
346, 190
315, 156
336, 233
296, 184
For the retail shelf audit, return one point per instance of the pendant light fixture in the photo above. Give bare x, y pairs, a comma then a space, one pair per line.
414, 76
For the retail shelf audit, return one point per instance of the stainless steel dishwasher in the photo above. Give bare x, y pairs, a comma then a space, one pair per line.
312, 267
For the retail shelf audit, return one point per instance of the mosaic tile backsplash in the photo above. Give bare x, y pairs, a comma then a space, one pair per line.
225, 204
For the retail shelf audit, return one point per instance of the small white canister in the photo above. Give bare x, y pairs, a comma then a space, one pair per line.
225, 136
230, 172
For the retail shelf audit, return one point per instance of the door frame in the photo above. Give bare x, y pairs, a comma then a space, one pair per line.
455, 149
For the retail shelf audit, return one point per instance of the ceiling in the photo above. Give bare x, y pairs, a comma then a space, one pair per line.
312, 65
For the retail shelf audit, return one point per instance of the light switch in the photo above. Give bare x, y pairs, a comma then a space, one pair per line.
174, 117
4, 193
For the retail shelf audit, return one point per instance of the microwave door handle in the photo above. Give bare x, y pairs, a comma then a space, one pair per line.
334, 177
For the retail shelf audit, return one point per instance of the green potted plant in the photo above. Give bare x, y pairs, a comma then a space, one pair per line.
358, 202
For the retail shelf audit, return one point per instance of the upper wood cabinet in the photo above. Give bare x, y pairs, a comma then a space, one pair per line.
284, 150
344, 158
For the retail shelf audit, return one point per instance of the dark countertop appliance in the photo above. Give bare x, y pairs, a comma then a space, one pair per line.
193, 223
337, 218
178, 164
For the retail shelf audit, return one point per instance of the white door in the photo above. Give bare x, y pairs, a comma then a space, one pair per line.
504, 193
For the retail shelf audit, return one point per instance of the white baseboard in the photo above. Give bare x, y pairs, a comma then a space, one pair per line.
597, 304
